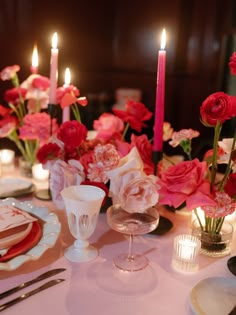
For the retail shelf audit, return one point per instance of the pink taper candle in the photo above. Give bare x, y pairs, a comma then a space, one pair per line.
53, 70
35, 60
160, 96
66, 110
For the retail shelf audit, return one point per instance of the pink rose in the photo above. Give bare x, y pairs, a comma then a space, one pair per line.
63, 175
185, 182
139, 194
108, 126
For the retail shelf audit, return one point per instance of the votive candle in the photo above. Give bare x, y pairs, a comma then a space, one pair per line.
160, 96
53, 70
39, 173
185, 252
7, 156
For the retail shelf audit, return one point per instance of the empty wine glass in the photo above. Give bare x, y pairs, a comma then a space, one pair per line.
83, 204
131, 224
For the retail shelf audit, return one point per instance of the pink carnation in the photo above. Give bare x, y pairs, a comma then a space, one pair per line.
9, 72
183, 135
224, 206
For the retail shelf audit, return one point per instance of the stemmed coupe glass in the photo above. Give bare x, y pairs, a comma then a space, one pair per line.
132, 224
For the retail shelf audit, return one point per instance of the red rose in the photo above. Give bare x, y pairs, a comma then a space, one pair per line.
72, 133
145, 150
230, 186
135, 114
217, 107
49, 151
232, 64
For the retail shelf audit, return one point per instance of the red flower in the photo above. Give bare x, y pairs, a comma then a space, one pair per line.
13, 95
41, 83
232, 64
230, 186
217, 107
135, 114
62, 90
7, 125
72, 133
4, 111
49, 151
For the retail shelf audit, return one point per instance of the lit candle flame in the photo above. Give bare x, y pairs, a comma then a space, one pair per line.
54, 40
163, 39
67, 76
35, 58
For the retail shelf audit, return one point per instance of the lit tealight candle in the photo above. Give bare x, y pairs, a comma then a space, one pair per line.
7, 156
35, 60
186, 249
66, 110
39, 173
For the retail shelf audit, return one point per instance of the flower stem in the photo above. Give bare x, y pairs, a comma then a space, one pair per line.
214, 158
125, 131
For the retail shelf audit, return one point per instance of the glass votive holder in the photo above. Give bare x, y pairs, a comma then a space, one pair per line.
7, 156
39, 173
185, 253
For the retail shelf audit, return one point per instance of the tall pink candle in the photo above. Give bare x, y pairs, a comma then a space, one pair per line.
53, 70
66, 110
160, 96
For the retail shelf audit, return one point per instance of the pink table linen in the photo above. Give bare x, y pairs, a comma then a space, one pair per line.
91, 287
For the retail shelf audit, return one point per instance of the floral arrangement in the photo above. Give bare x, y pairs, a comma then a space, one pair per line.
197, 183
22, 120
108, 159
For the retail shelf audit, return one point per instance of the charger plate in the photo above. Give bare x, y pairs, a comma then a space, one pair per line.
43, 237
216, 296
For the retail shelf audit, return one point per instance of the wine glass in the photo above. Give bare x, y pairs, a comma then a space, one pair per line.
132, 224
83, 204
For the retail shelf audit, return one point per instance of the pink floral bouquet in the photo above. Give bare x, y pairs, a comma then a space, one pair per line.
107, 159
22, 120
197, 183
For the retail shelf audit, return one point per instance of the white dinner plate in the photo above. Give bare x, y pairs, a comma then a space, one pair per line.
11, 187
214, 296
51, 228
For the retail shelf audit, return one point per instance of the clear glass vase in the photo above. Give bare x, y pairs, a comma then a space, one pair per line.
25, 167
214, 245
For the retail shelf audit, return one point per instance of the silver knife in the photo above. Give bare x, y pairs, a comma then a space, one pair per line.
43, 276
30, 293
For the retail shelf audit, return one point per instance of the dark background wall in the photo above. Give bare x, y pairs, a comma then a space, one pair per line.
111, 44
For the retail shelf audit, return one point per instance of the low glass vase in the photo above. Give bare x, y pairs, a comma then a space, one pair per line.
214, 244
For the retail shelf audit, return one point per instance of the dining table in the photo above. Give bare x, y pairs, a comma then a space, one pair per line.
98, 287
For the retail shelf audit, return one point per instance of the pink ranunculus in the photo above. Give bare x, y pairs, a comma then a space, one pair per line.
37, 126
9, 72
185, 182
218, 106
139, 194
63, 175
145, 150
108, 126
135, 114
7, 125
129, 167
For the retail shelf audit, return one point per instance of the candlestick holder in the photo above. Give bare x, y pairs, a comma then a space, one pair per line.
52, 110
156, 158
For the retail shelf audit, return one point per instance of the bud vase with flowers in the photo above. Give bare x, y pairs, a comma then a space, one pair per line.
198, 184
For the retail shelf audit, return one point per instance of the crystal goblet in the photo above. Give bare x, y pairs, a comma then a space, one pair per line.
83, 204
132, 224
